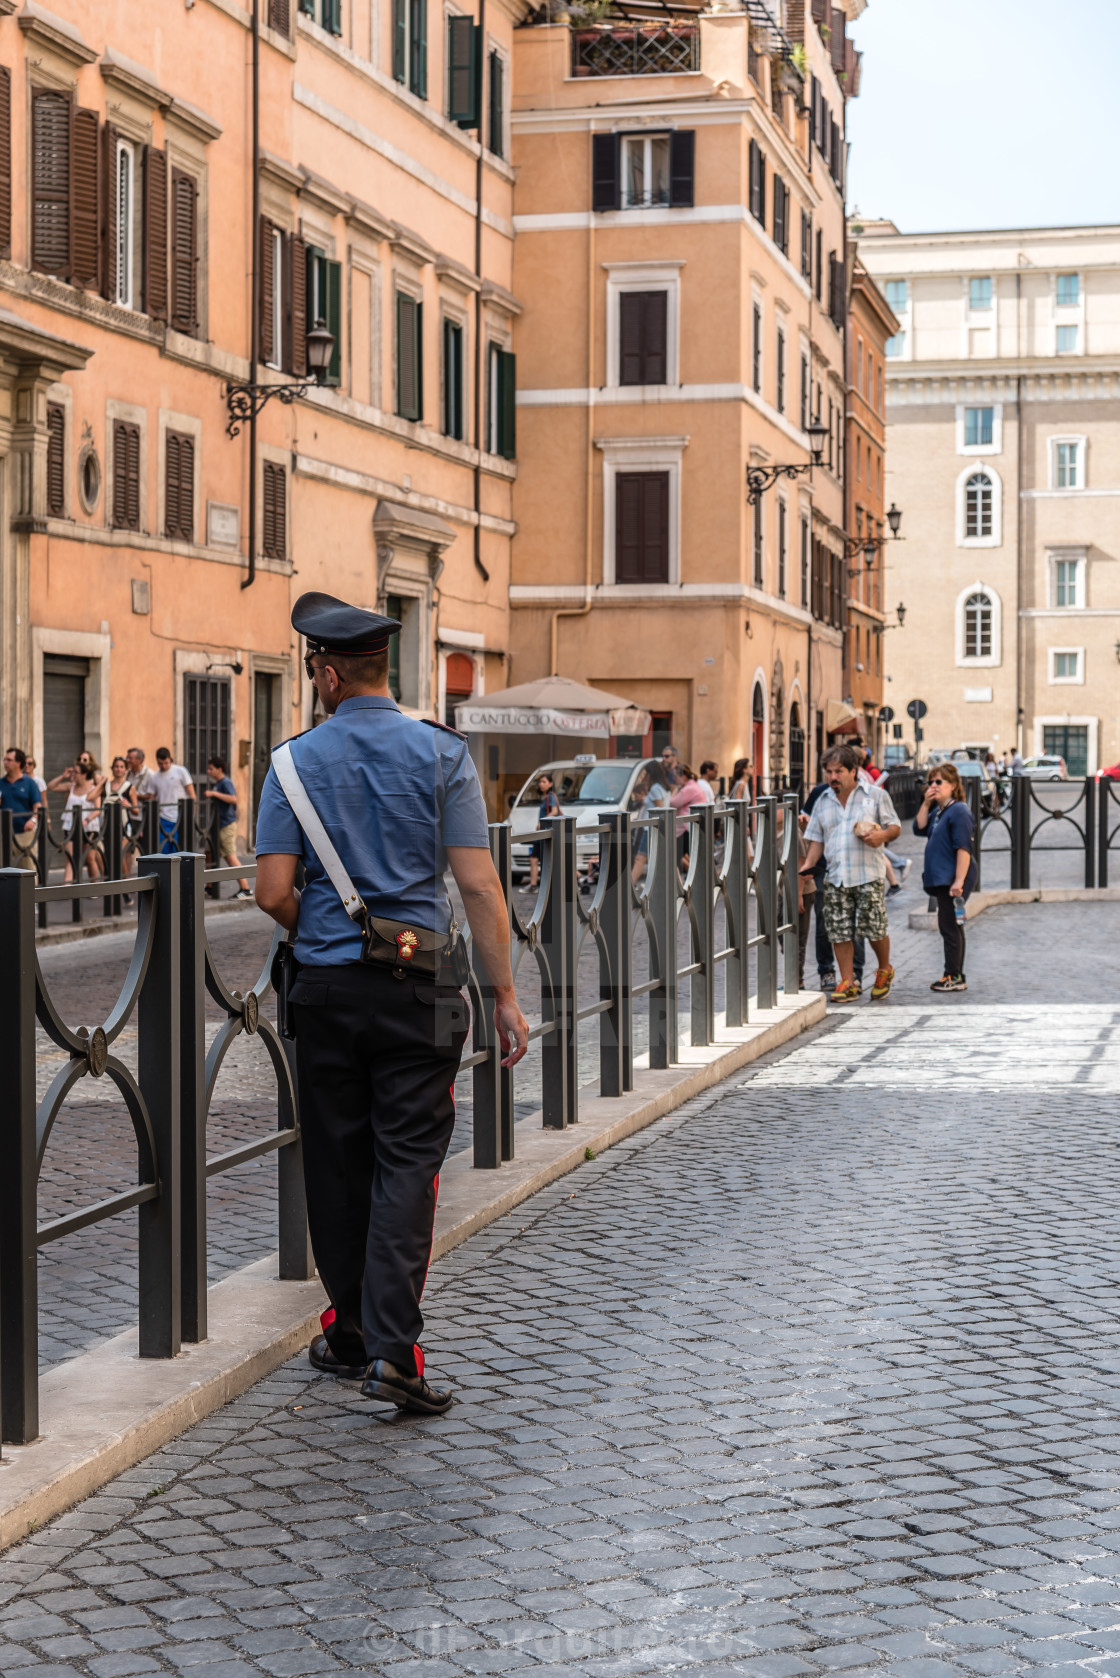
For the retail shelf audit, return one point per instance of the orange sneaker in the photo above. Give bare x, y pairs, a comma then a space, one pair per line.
846, 993
884, 978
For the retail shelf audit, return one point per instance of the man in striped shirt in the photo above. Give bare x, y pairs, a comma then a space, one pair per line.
850, 825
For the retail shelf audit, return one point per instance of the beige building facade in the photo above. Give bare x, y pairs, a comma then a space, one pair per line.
1003, 407
680, 260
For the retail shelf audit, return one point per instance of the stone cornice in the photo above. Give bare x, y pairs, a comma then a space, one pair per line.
57, 34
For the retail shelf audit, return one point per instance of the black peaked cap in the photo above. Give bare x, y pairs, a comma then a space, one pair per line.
330, 625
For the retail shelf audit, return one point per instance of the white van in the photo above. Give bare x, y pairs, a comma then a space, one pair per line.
586, 788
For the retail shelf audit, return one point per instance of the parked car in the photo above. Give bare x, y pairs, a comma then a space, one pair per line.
586, 788
896, 755
1110, 774
969, 769
1047, 767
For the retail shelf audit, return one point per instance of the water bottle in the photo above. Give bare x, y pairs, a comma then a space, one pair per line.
959, 910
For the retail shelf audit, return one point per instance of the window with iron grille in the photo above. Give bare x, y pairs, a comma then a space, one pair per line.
206, 707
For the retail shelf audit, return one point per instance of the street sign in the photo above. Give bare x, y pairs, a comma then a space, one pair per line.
917, 709
886, 713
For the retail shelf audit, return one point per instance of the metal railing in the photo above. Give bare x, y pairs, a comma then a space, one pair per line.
641, 49
1025, 812
732, 905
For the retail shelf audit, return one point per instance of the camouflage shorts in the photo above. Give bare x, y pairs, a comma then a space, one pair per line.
854, 910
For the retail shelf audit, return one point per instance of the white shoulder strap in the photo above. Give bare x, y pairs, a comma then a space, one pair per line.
308, 818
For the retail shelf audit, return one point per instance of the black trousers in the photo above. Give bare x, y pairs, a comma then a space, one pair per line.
376, 1059
951, 930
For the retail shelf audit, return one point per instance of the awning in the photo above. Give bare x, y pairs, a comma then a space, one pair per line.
840, 718
552, 705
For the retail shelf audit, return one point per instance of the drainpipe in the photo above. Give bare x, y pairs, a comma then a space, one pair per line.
254, 291
479, 567
582, 611
1020, 544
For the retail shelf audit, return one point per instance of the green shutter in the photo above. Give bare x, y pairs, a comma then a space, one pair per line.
332, 16
410, 372
452, 379
497, 105
400, 40
418, 48
307, 6
462, 71
334, 319
507, 405
394, 608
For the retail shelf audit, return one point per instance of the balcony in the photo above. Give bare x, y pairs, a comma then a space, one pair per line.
642, 49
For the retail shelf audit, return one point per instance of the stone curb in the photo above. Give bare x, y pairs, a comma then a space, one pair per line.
106, 1410
923, 921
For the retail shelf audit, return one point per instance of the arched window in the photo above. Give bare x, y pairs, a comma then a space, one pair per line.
978, 625
978, 498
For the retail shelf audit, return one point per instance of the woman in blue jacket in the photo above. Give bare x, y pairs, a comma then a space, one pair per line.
949, 873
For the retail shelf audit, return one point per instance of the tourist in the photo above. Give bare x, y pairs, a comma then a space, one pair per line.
224, 794
709, 779
687, 794
548, 806
949, 874
741, 779
653, 791
671, 763
33, 771
20, 794
850, 824
119, 790
170, 782
82, 782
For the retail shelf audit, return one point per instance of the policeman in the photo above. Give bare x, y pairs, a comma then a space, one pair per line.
379, 1031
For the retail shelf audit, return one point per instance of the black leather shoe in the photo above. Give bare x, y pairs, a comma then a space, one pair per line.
407, 1392
320, 1357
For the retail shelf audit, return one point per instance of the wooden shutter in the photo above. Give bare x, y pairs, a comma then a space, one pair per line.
642, 527
179, 487
333, 275
682, 168
643, 320
462, 71
56, 460
280, 16
400, 40
155, 233
507, 405
109, 207
497, 105
51, 122
126, 475
85, 201
837, 43
418, 47
296, 315
267, 290
630, 360
184, 252
5, 161
806, 245
606, 172
332, 16
409, 385
274, 523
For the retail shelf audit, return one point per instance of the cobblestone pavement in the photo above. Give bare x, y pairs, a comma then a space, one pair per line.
821, 1375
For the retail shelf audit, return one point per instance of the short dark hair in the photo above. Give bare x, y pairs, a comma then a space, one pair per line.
20, 757
139, 750
846, 756
215, 762
162, 751
368, 669
708, 763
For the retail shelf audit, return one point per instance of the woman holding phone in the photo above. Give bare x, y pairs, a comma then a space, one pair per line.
949, 872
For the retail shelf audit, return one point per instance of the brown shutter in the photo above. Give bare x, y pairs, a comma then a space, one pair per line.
184, 252
279, 16
179, 487
297, 306
85, 200
155, 233
56, 460
126, 475
268, 511
630, 338
171, 485
109, 212
655, 336
186, 488
274, 523
5, 161
267, 290
51, 117
642, 527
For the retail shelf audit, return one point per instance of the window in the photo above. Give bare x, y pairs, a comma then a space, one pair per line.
126, 475
805, 553
410, 357
50, 181
757, 183
56, 460
280, 16
497, 105
780, 373
780, 193
274, 503
503, 402
272, 294
326, 13
324, 303
980, 294
978, 626
642, 527
1071, 741
124, 194
978, 427
1067, 340
1067, 664
759, 548
410, 45
837, 290
804, 408
462, 71
645, 170
1069, 583
897, 295
452, 379
178, 522
184, 253
206, 722
783, 543
1067, 465
978, 505
394, 608
643, 325
756, 347
806, 245
1068, 291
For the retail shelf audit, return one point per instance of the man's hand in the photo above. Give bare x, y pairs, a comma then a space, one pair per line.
488, 916
877, 836
513, 1031
803, 821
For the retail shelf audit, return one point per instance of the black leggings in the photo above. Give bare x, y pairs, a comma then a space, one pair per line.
951, 930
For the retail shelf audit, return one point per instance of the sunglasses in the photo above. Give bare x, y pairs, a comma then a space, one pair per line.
937, 781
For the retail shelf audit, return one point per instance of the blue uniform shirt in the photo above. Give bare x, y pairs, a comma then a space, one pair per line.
393, 794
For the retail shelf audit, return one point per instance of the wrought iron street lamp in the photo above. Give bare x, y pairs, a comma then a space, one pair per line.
246, 401
869, 545
762, 478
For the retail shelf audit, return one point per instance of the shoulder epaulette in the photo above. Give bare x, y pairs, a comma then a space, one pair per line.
289, 740
446, 727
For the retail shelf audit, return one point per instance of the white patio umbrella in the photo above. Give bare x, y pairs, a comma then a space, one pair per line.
552, 705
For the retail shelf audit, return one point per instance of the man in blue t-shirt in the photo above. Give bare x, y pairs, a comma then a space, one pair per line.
224, 794
21, 795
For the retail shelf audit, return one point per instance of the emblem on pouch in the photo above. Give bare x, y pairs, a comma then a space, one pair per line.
406, 943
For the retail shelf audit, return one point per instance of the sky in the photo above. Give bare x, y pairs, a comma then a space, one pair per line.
986, 113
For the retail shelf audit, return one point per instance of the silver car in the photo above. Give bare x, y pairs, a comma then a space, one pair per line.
587, 788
